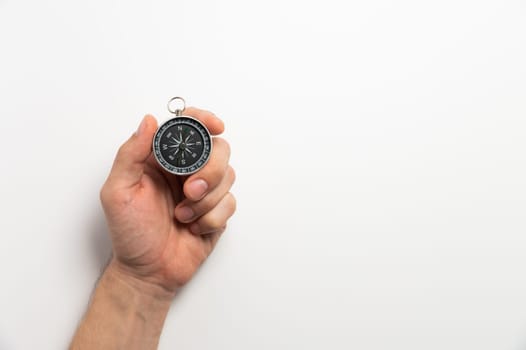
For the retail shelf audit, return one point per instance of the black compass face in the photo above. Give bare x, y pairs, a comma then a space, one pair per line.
182, 145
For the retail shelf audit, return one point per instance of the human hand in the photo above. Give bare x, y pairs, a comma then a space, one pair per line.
163, 226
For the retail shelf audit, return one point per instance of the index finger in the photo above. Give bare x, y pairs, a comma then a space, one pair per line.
211, 121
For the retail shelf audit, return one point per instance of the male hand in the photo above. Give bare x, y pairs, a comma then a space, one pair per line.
163, 226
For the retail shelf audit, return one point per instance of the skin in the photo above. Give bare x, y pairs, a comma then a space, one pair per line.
162, 229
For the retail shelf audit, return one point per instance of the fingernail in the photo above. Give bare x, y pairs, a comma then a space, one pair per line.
194, 228
196, 189
185, 214
141, 127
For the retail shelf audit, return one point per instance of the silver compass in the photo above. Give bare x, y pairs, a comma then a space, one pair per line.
182, 145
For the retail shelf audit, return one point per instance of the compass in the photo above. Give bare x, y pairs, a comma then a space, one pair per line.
182, 144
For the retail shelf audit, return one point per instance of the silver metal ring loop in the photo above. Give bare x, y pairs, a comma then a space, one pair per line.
176, 111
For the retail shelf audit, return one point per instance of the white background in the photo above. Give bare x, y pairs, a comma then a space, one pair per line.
379, 148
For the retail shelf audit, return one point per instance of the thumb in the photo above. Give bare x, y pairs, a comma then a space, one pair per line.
128, 166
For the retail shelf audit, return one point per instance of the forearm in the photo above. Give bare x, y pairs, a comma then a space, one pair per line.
123, 314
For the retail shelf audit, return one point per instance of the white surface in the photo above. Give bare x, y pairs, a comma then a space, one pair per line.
380, 154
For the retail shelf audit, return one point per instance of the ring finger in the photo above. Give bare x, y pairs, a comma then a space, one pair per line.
216, 218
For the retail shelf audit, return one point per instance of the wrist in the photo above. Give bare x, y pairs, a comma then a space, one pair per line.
124, 313
139, 286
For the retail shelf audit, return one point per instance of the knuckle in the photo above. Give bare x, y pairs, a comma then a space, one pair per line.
231, 203
218, 167
223, 145
232, 174
214, 222
103, 194
113, 197
127, 149
215, 174
123, 149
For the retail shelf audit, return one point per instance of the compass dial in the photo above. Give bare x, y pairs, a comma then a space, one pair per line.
182, 145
